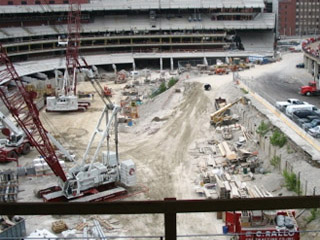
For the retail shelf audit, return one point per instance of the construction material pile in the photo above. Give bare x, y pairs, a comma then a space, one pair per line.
8, 186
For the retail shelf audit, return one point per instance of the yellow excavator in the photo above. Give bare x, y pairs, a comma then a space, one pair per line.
219, 117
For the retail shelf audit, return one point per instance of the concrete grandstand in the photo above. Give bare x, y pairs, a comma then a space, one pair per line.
145, 29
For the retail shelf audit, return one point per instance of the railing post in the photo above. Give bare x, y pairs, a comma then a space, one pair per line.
170, 221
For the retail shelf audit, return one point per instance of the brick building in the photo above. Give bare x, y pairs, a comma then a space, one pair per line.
299, 17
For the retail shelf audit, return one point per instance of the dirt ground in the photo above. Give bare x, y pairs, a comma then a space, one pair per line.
161, 150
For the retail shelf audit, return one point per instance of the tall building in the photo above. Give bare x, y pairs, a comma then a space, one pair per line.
299, 17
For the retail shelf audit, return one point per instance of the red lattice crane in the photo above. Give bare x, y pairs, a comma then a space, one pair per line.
20, 104
66, 99
72, 52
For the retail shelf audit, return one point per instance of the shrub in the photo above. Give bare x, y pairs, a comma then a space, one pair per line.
162, 88
263, 128
291, 182
278, 139
172, 82
275, 161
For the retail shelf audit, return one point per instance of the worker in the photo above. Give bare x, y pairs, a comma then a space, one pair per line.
207, 87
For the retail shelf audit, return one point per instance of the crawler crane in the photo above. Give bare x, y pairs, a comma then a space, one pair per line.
16, 142
66, 99
84, 182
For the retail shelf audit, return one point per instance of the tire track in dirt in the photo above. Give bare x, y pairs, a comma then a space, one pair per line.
166, 150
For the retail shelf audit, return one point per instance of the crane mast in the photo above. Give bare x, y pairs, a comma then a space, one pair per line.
72, 52
20, 104
66, 99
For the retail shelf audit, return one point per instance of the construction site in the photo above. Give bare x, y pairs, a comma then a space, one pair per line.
170, 120
178, 144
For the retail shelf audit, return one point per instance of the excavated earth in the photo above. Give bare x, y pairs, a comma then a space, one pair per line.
170, 128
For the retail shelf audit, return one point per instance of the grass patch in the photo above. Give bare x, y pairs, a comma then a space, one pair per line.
314, 214
263, 128
275, 161
291, 182
278, 139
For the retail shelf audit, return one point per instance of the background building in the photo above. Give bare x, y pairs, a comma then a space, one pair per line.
241, 28
299, 17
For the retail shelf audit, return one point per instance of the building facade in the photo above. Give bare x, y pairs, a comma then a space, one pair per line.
211, 27
299, 17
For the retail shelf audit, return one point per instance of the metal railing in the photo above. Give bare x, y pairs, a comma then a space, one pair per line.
170, 207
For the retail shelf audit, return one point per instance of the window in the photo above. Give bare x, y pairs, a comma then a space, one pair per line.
37, 2
51, 2
66, 1
10, 3
23, 2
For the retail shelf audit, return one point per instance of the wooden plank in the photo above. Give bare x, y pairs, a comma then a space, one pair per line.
231, 155
222, 150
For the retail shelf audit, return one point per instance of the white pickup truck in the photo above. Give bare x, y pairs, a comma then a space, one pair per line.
282, 105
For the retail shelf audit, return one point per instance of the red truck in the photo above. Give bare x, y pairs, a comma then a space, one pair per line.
310, 90
263, 225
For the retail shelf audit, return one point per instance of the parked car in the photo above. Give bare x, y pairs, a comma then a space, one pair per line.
312, 124
300, 65
315, 132
301, 117
281, 105
292, 108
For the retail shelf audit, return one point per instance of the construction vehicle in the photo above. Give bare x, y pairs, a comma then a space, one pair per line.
221, 70
16, 143
262, 225
220, 102
84, 182
221, 118
107, 91
310, 90
66, 99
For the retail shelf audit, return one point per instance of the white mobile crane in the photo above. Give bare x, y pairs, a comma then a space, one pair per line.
16, 142
94, 181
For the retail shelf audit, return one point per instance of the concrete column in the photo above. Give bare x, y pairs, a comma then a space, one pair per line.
161, 64
305, 61
315, 70
171, 64
134, 65
309, 66
205, 61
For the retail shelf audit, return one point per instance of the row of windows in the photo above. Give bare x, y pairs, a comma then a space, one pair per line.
38, 2
308, 10
308, 2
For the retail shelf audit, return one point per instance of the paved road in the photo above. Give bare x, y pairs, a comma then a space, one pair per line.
282, 80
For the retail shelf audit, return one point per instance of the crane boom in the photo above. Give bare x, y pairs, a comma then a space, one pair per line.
72, 52
20, 104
